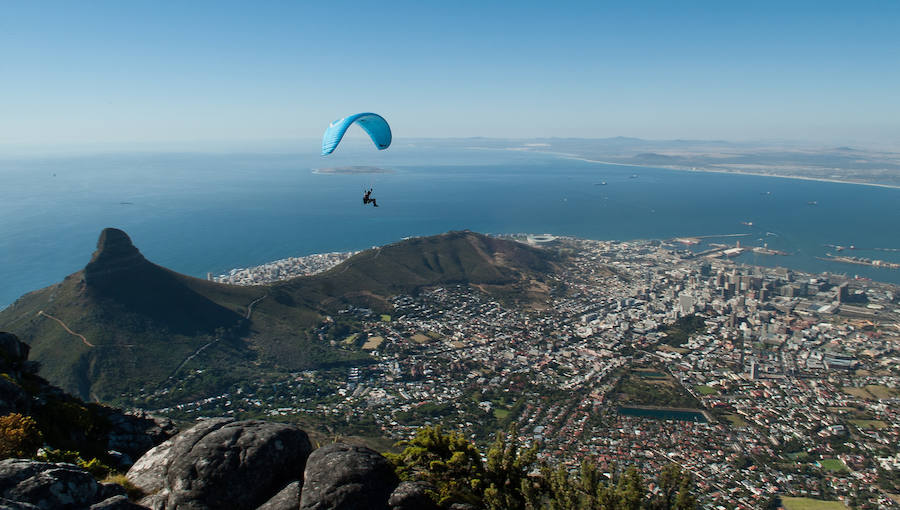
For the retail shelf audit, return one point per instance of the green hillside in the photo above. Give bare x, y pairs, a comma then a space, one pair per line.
124, 324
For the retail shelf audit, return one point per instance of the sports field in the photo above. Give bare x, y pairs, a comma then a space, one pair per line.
811, 504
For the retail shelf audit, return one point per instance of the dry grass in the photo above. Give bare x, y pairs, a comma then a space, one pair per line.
810, 504
419, 338
372, 343
133, 492
871, 392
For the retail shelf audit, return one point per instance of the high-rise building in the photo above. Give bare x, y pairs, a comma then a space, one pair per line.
843, 293
685, 304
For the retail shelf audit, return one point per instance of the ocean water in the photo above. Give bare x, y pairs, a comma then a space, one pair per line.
199, 213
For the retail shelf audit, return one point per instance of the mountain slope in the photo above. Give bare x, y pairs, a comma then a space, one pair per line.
124, 324
122, 319
465, 257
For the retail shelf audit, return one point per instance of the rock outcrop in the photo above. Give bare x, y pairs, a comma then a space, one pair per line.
341, 476
134, 433
115, 254
222, 463
69, 423
218, 463
13, 362
412, 496
13, 352
117, 503
51, 486
286, 499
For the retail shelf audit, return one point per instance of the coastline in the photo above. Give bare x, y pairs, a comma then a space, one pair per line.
576, 157
731, 172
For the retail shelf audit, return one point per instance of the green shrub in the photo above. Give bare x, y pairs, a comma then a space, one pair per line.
19, 436
94, 466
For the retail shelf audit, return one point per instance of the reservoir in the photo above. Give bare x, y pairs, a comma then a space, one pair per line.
663, 414
650, 375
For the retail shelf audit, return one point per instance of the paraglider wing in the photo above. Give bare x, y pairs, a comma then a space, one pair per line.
375, 125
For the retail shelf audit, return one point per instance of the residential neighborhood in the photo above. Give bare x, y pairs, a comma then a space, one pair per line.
758, 380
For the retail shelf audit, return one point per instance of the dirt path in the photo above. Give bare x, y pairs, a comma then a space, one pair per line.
63, 324
189, 358
250, 306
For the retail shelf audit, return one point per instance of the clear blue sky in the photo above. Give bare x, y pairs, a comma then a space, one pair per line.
131, 71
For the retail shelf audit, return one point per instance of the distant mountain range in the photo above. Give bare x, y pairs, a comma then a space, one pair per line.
125, 325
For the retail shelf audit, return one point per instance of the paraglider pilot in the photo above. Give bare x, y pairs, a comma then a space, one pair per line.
366, 198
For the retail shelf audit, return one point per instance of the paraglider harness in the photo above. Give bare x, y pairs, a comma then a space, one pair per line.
366, 198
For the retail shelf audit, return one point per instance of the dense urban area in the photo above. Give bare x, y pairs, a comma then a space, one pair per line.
759, 381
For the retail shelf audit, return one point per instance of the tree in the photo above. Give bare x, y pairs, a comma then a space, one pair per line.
454, 467
507, 472
557, 491
685, 499
630, 490
448, 461
674, 489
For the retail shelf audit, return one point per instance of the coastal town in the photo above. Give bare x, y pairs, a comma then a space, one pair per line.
760, 381
283, 269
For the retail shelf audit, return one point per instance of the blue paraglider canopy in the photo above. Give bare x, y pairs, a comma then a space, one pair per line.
375, 125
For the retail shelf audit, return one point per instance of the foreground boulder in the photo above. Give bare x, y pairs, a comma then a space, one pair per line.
222, 463
341, 476
412, 496
287, 499
28, 483
117, 503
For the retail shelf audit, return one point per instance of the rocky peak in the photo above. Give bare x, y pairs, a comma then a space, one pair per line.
13, 352
115, 253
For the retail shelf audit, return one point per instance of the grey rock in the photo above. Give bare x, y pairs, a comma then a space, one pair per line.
149, 472
287, 499
341, 476
222, 464
412, 496
47, 485
8, 504
154, 501
133, 433
117, 503
13, 352
13, 398
110, 490
463, 506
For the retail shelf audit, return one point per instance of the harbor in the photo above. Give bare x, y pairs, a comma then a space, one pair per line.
860, 261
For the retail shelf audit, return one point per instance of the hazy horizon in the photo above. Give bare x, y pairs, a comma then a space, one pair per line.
355, 138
